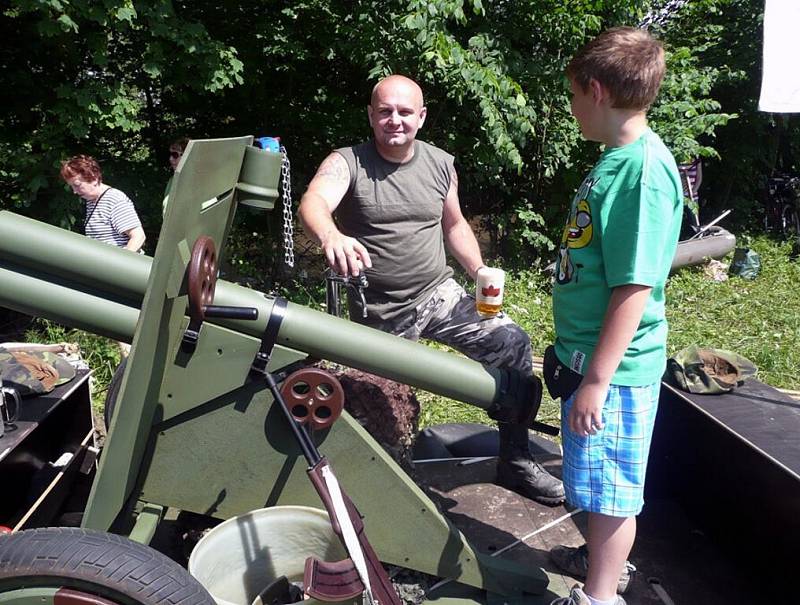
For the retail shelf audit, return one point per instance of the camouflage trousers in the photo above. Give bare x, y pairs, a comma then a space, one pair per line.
449, 316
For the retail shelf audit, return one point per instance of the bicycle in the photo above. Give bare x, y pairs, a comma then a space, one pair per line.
782, 206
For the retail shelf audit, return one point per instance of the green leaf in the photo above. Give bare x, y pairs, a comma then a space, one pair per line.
151, 69
67, 24
126, 13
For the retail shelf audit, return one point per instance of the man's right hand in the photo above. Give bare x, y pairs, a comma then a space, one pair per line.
346, 255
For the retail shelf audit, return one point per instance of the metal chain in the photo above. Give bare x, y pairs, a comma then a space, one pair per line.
659, 17
288, 231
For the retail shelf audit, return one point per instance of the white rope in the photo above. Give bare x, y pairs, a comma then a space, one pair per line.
515, 543
463, 460
538, 531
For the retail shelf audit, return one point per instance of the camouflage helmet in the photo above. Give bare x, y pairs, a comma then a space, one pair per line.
33, 372
703, 370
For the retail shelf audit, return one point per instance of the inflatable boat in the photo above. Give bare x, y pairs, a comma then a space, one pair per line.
716, 242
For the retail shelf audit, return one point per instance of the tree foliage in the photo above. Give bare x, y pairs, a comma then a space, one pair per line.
119, 79
84, 76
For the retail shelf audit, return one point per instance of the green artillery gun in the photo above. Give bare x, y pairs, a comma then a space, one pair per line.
195, 426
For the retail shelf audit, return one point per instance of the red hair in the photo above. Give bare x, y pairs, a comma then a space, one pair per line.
83, 166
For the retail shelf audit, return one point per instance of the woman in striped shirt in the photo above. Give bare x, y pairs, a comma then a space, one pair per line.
110, 216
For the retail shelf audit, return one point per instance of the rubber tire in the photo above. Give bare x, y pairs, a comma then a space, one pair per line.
97, 563
790, 220
112, 393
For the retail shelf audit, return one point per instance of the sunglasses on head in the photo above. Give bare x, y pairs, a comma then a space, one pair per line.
175, 154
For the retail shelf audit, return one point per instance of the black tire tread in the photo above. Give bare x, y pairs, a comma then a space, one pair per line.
76, 557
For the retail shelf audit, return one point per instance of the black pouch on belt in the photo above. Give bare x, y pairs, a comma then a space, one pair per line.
560, 380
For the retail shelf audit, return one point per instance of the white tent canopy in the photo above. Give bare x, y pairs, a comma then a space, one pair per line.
780, 83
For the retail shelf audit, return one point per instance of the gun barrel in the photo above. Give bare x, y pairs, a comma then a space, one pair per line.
46, 271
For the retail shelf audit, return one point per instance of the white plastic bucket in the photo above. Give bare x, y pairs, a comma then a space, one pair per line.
239, 558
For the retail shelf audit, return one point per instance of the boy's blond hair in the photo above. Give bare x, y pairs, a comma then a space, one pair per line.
627, 61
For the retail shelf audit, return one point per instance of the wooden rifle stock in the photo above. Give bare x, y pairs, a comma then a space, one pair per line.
336, 581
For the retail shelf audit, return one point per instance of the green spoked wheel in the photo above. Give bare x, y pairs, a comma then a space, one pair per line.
69, 566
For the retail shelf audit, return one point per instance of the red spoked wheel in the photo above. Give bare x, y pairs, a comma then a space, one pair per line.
202, 278
314, 397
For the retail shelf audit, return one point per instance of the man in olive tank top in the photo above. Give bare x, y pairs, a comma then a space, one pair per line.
388, 207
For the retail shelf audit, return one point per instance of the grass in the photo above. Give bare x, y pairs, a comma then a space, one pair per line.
759, 319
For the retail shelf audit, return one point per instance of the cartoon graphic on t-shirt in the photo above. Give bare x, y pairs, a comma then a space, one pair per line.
577, 232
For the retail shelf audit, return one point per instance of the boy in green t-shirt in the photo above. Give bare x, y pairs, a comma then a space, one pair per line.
608, 301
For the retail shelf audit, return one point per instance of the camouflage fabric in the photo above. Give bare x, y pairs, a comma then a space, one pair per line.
708, 371
449, 316
33, 372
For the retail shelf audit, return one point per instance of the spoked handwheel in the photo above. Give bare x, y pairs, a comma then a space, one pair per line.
202, 276
314, 398
68, 566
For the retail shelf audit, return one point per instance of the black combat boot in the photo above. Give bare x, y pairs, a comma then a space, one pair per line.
518, 471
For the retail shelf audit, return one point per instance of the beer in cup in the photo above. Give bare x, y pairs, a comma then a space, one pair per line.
489, 284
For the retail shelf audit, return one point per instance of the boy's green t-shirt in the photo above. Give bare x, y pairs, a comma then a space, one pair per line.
623, 229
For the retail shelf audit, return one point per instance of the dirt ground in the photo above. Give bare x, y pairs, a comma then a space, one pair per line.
388, 410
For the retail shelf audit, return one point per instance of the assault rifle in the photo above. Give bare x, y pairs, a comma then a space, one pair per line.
361, 572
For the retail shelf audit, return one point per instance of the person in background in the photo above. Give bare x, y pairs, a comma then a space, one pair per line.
109, 215
176, 149
388, 206
608, 304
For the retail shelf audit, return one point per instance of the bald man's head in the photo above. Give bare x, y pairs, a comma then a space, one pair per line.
396, 112
399, 83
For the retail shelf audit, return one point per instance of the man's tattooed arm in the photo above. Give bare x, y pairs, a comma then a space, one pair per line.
335, 168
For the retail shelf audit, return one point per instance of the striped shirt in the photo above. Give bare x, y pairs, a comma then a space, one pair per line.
110, 216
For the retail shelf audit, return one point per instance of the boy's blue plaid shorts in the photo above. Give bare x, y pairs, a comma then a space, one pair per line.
604, 473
